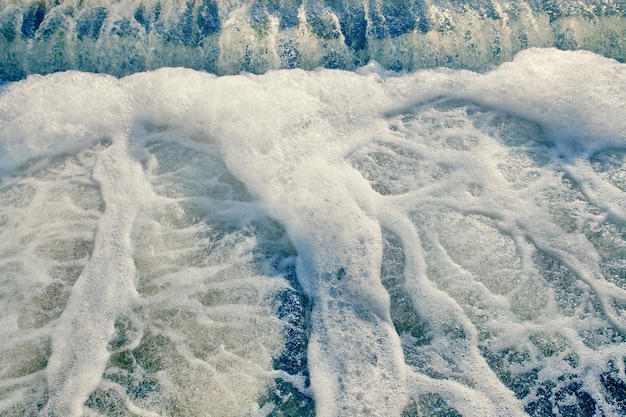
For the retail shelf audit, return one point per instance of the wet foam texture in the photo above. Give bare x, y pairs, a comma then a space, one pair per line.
323, 242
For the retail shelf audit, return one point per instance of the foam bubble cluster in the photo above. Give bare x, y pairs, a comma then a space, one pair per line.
316, 243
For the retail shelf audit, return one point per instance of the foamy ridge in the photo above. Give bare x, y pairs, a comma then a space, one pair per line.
323, 243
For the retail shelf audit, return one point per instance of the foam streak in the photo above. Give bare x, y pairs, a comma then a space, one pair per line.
106, 286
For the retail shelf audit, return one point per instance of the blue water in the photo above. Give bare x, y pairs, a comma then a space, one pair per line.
227, 37
312, 208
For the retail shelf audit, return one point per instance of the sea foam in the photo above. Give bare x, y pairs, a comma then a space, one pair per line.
316, 242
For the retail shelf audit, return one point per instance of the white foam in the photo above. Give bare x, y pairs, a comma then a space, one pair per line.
469, 170
104, 289
76, 114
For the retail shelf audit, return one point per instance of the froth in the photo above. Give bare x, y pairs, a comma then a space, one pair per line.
439, 240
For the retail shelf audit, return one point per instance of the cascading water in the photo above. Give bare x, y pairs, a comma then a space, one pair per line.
226, 37
362, 232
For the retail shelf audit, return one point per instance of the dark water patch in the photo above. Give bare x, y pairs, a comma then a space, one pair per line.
353, 24
429, 405
285, 400
503, 363
610, 164
570, 292
147, 16
44, 307
615, 387
404, 317
25, 358
294, 308
290, 56
398, 16
207, 18
124, 28
89, 23
334, 60
320, 18
609, 240
108, 402
134, 373
55, 25
9, 22
133, 369
564, 397
36, 400
32, 18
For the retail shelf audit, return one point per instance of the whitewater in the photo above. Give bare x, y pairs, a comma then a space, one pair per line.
278, 233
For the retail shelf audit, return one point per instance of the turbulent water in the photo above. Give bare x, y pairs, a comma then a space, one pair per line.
121, 37
329, 237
